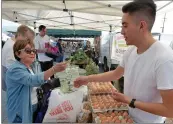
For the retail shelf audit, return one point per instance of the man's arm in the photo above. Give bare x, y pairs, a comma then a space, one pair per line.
163, 109
107, 76
104, 77
164, 79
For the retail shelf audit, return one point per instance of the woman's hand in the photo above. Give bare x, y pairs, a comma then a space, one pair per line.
60, 67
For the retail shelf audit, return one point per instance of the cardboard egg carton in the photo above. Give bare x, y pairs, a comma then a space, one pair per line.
112, 117
100, 88
104, 103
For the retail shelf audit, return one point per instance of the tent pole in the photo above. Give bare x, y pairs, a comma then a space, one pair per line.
110, 32
35, 27
163, 25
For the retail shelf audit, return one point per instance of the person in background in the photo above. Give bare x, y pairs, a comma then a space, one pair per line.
68, 51
40, 41
79, 46
61, 51
20, 79
88, 49
23, 32
147, 67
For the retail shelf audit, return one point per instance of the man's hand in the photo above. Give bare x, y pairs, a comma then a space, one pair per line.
121, 97
83, 80
60, 67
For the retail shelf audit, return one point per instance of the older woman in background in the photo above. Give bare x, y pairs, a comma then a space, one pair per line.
88, 49
20, 79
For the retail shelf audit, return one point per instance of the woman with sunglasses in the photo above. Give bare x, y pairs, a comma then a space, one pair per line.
20, 79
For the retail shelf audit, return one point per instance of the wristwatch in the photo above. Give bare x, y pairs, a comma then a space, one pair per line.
132, 103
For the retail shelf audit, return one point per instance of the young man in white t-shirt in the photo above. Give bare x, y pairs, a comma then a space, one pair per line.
40, 44
147, 67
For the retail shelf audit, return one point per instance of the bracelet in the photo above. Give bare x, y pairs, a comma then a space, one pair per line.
53, 70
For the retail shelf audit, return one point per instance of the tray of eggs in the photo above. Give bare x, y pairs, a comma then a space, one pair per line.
100, 88
113, 117
102, 103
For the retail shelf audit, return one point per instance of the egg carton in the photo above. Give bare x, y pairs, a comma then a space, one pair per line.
109, 109
121, 108
111, 119
102, 92
99, 93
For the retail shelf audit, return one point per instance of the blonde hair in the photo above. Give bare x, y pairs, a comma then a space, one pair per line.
23, 29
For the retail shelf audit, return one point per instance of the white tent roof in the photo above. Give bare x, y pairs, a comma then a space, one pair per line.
89, 15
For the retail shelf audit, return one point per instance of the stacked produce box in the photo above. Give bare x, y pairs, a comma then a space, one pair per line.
105, 109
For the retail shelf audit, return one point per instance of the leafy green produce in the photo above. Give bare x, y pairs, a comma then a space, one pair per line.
79, 57
91, 68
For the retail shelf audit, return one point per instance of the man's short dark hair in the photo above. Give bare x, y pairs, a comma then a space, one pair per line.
143, 8
41, 27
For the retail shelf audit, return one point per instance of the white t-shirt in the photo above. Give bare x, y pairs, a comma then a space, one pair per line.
33, 93
40, 44
144, 75
7, 53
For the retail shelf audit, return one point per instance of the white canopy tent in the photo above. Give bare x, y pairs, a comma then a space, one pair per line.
89, 15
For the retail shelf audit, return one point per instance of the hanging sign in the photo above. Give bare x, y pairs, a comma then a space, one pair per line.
118, 47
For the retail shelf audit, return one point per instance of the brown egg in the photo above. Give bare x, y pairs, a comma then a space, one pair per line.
101, 106
111, 107
125, 114
123, 121
117, 121
118, 105
115, 105
121, 112
107, 114
113, 114
130, 121
109, 118
107, 106
115, 117
106, 121
96, 106
102, 118
116, 113
103, 122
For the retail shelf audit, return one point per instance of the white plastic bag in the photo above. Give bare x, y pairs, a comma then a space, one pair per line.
63, 107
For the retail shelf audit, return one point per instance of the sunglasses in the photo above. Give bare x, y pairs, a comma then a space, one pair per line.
29, 51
